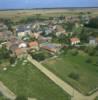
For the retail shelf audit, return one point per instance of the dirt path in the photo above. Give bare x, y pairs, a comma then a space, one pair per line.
6, 92
62, 84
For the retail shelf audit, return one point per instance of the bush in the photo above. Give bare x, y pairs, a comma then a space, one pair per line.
74, 76
38, 57
12, 60
96, 63
74, 52
88, 60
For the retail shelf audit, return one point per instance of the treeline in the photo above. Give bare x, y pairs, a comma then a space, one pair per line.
93, 23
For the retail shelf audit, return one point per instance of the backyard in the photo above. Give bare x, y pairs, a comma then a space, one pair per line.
25, 80
76, 71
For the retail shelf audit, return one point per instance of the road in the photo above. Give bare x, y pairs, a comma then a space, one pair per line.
76, 95
6, 92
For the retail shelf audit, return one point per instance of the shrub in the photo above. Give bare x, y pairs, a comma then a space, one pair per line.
74, 75
74, 52
88, 60
38, 57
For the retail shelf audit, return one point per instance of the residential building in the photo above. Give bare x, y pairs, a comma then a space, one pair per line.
5, 35
92, 41
42, 39
3, 27
22, 45
59, 30
33, 45
20, 52
74, 40
52, 48
22, 31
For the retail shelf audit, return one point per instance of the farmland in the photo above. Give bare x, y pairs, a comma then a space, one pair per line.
20, 14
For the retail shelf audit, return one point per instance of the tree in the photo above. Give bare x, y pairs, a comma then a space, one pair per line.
4, 53
12, 60
39, 56
68, 26
93, 23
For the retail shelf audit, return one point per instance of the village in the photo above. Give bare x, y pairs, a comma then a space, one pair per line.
49, 35
47, 39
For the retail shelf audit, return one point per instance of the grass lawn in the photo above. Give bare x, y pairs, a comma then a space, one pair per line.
2, 97
66, 64
96, 98
28, 81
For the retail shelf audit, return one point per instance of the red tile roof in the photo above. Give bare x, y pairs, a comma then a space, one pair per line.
31, 44
74, 39
20, 51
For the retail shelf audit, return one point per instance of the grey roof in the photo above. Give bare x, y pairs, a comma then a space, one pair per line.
23, 28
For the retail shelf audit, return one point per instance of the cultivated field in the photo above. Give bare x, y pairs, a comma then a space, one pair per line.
28, 81
19, 14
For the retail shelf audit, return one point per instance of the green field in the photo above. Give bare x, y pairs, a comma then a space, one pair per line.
66, 64
96, 98
28, 81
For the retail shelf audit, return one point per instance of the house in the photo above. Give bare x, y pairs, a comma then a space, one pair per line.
5, 35
42, 39
14, 43
13, 47
20, 52
52, 48
22, 45
59, 30
72, 19
35, 35
74, 40
85, 18
3, 27
92, 41
22, 31
67, 33
33, 45
36, 26
48, 31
